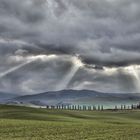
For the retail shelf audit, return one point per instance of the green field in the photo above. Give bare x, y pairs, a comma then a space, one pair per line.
23, 123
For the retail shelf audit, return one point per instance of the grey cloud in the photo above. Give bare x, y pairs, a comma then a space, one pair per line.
119, 81
102, 33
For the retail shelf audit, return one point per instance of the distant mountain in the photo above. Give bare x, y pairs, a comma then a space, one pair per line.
77, 97
6, 96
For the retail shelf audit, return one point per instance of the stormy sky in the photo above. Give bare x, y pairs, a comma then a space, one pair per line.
49, 45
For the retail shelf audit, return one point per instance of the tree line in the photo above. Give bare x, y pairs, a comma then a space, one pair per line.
93, 107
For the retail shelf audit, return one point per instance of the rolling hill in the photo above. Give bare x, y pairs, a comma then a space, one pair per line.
80, 97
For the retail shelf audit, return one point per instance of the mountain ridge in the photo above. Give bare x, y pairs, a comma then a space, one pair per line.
6, 96
77, 97
69, 97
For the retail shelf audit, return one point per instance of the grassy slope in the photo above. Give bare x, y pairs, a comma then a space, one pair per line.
21, 123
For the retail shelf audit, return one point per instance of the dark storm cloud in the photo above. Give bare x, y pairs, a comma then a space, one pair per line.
62, 26
102, 33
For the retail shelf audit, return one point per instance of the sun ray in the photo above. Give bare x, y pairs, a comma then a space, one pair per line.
3, 74
133, 70
66, 79
29, 60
